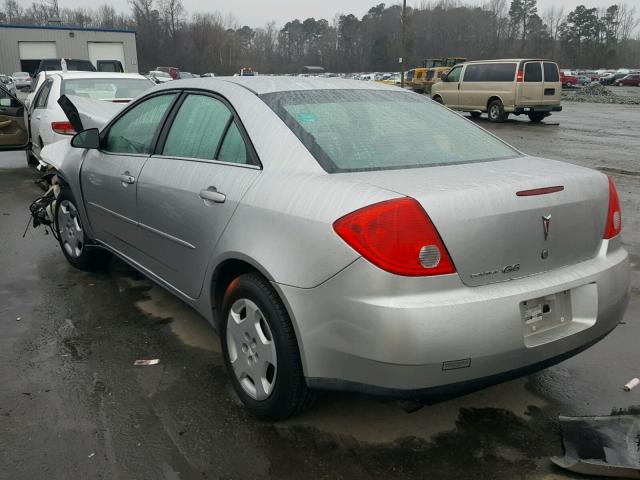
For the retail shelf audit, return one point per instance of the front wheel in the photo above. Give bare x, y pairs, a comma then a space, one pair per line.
438, 99
261, 351
496, 112
76, 246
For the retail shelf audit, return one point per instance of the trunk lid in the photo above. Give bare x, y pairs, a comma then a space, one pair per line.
494, 235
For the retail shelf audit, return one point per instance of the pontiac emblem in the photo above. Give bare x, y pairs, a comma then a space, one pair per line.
546, 220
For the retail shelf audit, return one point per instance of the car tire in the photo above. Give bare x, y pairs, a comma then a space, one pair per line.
32, 161
568, 84
536, 117
79, 250
266, 348
438, 99
618, 84
475, 114
496, 111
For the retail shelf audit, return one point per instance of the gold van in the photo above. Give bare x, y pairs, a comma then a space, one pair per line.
501, 87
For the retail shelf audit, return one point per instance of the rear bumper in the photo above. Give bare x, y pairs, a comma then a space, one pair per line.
537, 108
367, 330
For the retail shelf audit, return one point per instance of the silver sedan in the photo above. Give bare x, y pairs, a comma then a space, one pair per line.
346, 235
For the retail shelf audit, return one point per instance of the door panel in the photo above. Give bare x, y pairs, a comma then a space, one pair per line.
450, 89
531, 89
13, 127
111, 199
184, 206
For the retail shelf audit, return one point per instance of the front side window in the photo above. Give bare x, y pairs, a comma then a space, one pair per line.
198, 128
8, 100
532, 72
134, 131
357, 130
454, 75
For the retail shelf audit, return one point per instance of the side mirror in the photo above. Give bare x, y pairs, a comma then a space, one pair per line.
89, 138
443, 78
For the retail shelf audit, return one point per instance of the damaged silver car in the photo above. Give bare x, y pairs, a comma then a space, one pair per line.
336, 246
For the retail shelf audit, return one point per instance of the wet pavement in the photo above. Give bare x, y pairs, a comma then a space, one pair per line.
73, 406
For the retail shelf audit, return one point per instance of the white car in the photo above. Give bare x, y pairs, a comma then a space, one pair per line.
47, 121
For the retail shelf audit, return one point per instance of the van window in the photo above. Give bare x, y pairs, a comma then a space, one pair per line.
551, 72
490, 72
454, 75
532, 72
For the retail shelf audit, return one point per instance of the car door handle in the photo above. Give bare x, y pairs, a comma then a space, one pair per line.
127, 179
213, 195
37, 117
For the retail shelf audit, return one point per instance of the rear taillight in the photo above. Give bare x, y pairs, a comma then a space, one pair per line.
614, 217
397, 236
520, 76
63, 128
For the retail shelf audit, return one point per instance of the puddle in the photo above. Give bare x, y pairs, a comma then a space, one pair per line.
190, 327
375, 421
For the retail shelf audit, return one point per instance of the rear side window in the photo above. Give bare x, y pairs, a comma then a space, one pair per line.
43, 96
551, 72
532, 72
134, 131
198, 128
490, 72
233, 148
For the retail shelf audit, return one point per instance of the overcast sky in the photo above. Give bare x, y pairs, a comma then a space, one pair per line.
256, 13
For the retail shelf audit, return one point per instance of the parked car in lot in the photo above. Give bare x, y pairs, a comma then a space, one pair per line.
631, 80
72, 64
568, 78
22, 81
612, 79
47, 121
334, 245
7, 82
583, 80
501, 87
159, 76
173, 72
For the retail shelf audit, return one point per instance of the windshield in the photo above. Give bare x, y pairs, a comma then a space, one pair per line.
105, 88
356, 130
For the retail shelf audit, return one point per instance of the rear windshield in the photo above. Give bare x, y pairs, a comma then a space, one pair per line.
106, 88
356, 130
73, 65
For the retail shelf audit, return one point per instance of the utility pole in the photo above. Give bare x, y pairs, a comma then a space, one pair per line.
403, 41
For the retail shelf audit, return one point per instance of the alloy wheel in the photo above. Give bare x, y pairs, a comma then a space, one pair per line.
70, 229
252, 351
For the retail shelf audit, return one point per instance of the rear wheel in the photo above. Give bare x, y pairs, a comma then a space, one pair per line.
76, 246
496, 111
536, 117
568, 84
261, 351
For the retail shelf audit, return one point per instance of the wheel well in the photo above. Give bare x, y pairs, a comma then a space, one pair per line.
223, 276
436, 96
491, 99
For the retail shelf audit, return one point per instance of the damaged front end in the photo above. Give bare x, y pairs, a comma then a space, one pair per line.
43, 208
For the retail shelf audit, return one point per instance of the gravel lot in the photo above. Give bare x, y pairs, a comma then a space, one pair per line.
73, 406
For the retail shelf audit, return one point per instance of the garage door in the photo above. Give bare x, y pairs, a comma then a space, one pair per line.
106, 51
37, 50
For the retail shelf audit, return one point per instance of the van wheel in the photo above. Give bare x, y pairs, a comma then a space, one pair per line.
261, 351
438, 99
568, 84
76, 246
475, 114
536, 117
496, 111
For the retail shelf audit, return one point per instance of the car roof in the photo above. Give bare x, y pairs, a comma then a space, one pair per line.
266, 84
79, 74
501, 60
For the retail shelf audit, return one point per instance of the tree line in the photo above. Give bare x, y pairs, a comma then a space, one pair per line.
210, 42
